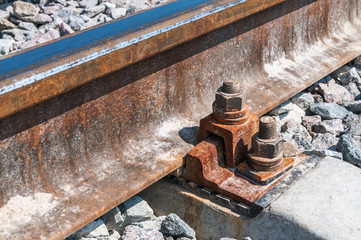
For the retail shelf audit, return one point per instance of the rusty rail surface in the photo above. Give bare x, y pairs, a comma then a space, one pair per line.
89, 120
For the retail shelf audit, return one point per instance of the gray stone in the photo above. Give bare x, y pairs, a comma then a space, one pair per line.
303, 100
353, 90
85, 18
167, 237
88, 3
284, 107
4, 14
246, 238
17, 34
118, 12
113, 219
354, 106
175, 226
227, 238
329, 110
65, 29
28, 26
72, 4
324, 153
301, 143
317, 98
5, 24
25, 10
309, 121
6, 46
138, 5
7, 36
132, 232
333, 92
295, 114
325, 141
95, 229
349, 149
151, 224
355, 127
93, 11
51, 10
289, 125
109, 6
113, 235
65, 14
333, 126
41, 19
50, 35
347, 74
136, 209
357, 140
301, 130
183, 238
75, 22
351, 119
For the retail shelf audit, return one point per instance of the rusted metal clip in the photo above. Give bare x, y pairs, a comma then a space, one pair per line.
228, 136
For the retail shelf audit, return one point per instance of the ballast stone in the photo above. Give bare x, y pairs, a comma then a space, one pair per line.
282, 108
329, 110
132, 232
25, 11
333, 92
136, 209
350, 150
354, 106
325, 141
333, 126
176, 227
303, 100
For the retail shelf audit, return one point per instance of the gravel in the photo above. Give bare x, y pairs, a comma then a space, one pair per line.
132, 220
62, 16
330, 117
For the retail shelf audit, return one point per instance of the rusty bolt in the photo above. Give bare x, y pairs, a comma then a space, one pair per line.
230, 97
268, 128
267, 142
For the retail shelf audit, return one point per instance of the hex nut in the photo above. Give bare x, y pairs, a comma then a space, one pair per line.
229, 102
267, 148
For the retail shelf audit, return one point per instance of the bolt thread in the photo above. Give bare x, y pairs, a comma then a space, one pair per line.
230, 87
267, 128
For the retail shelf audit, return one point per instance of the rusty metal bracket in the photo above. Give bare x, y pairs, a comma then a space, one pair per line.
218, 161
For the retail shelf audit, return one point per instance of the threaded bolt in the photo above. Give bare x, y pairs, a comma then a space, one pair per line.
230, 86
267, 128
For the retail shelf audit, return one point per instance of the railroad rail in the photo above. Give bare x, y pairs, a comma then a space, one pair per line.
94, 118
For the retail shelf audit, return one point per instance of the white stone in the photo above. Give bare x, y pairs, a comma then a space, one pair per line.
118, 12
136, 209
25, 11
295, 114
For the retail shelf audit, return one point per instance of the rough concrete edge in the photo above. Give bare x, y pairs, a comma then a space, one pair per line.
295, 175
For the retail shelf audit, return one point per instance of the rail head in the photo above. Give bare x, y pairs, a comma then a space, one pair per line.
40, 73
